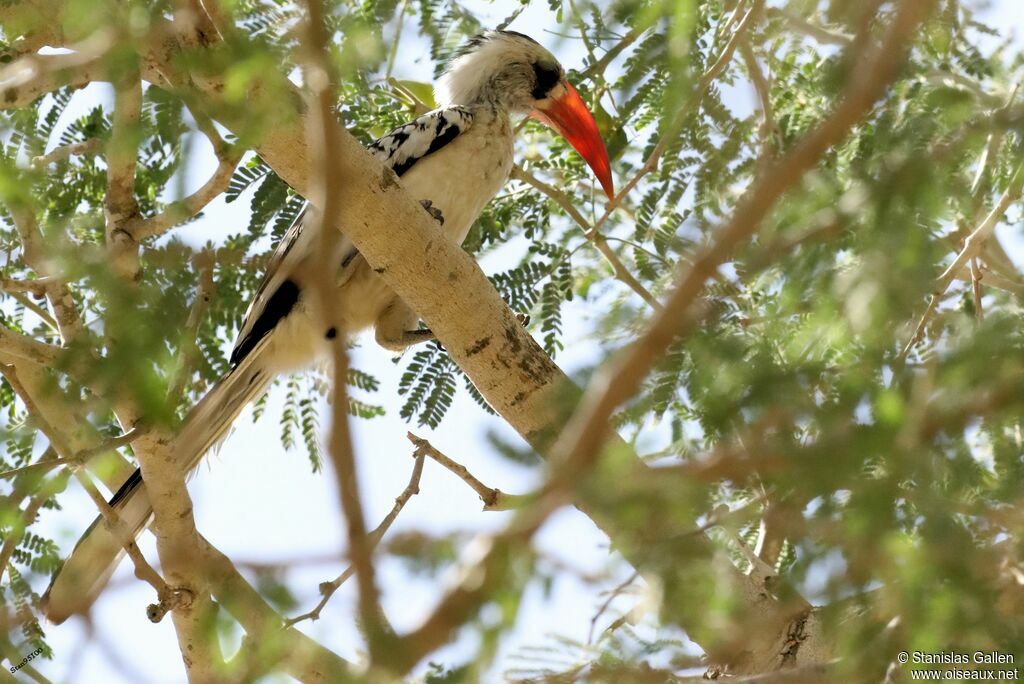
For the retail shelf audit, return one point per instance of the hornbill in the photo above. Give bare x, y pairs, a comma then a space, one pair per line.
454, 160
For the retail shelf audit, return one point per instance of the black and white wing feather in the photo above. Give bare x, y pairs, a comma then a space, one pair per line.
400, 150
407, 144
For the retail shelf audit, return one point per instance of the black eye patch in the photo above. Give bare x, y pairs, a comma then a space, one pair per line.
547, 78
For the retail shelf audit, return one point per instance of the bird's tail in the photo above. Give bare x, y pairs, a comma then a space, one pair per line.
85, 573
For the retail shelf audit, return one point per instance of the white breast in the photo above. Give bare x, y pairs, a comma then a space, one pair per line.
462, 177
459, 180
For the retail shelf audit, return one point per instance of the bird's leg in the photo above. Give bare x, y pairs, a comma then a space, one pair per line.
396, 327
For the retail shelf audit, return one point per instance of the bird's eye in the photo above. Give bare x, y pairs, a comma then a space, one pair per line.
546, 77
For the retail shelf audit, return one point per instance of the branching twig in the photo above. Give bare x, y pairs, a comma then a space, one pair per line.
972, 245
493, 499
612, 595
769, 129
622, 274
327, 589
614, 51
68, 320
190, 206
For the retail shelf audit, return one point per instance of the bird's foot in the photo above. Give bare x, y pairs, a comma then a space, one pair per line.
433, 211
523, 318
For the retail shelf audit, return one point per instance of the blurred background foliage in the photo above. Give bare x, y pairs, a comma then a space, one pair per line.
867, 444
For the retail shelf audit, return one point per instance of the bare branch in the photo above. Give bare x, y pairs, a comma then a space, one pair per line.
303, 658
190, 206
120, 206
20, 346
64, 151
59, 295
493, 499
972, 246
769, 129
33, 76
189, 350
819, 33
327, 589
614, 51
28, 516
37, 286
620, 271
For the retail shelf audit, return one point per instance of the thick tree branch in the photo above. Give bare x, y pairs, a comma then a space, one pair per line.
120, 206
303, 658
393, 233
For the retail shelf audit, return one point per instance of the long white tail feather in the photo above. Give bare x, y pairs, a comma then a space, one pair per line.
79, 581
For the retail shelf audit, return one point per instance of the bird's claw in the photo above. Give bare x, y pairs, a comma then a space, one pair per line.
433, 211
523, 318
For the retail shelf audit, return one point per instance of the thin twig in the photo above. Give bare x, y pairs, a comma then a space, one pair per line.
612, 595
64, 151
493, 499
68, 321
614, 51
189, 349
28, 516
622, 274
769, 130
972, 245
650, 165
327, 589
976, 287
43, 466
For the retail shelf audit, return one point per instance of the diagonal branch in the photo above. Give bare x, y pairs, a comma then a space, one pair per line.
972, 246
583, 436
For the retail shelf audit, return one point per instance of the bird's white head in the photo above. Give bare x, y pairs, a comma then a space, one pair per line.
517, 74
